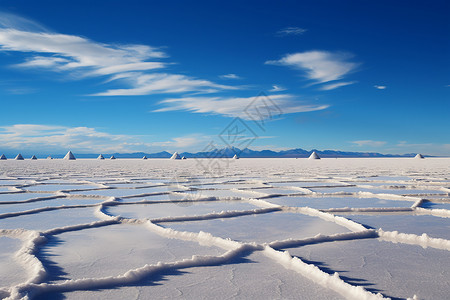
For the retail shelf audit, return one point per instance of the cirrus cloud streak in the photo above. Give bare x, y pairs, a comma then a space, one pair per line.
236, 106
320, 66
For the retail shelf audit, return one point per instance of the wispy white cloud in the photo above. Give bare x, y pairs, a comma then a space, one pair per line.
71, 52
145, 84
230, 76
8, 20
191, 142
320, 66
369, 143
406, 144
83, 57
291, 31
336, 85
277, 88
237, 107
380, 87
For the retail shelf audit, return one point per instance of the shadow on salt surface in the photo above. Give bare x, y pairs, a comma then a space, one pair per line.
129, 185
305, 184
263, 227
11, 272
396, 191
163, 197
386, 178
13, 182
22, 196
279, 191
58, 181
59, 187
436, 205
226, 186
115, 249
254, 277
395, 270
7, 208
416, 224
124, 192
231, 193
337, 202
50, 219
169, 209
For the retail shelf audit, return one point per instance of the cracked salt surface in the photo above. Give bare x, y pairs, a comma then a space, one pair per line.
163, 229
235, 280
59, 187
50, 202
23, 196
433, 226
49, 219
174, 209
123, 192
115, 249
254, 228
337, 202
396, 270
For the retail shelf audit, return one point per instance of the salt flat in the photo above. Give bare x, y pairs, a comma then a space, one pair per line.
359, 228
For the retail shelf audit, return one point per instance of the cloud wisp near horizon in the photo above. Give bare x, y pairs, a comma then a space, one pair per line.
53, 139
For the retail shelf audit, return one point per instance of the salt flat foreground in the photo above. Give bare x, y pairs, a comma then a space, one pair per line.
248, 228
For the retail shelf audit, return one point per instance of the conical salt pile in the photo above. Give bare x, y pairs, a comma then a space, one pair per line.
69, 156
419, 156
145, 157
19, 157
3, 157
33, 158
49, 157
100, 157
235, 156
183, 157
314, 155
112, 157
175, 156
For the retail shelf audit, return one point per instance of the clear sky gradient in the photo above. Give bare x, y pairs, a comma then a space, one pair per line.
128, 76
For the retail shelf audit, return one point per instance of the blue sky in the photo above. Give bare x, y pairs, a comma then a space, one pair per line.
127, 76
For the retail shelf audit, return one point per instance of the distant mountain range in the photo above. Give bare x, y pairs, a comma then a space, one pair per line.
231, 151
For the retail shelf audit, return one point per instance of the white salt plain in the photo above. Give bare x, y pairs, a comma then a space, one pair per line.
256, 228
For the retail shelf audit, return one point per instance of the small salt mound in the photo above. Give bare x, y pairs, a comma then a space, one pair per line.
33, 157
183, 157
100, 157
69, 156
3, 157
235, 156
175, 156
112, 157
314, 155
49, 157
19, 157
145, 157
419, 156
